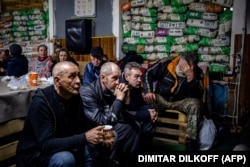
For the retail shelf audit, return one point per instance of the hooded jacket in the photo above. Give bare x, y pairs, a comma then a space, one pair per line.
171, 87
52, 124
17, 65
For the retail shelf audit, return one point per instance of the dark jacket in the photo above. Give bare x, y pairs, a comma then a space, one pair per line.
137, 106
103, 108
52, 125
100, 108
91, 73
4, 65
17, 66
165, 81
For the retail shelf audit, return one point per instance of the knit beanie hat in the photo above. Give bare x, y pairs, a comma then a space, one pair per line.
16, 49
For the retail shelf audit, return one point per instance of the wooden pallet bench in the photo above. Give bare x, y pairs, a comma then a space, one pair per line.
171, 127
9, 134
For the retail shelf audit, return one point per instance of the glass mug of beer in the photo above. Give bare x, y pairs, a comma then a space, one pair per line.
107, 132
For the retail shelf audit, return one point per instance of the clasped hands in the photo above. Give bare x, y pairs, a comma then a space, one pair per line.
95, 136
121, 90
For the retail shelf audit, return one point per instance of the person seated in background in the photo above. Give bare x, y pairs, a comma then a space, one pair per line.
131, 56
4, 58
64, 55
18, 64
104, 103
180, 88
56, 131
92, 69
43, 64
145, 114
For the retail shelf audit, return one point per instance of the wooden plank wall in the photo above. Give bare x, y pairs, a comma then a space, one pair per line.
108, 43
12, 5
244, 105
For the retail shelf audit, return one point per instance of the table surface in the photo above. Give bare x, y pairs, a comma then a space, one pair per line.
14, 103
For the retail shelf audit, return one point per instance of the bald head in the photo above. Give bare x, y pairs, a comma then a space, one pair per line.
62, 67
66, 79
109, 67
109, 76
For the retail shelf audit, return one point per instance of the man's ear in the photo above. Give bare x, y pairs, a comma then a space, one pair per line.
56, 81
126, 77
102, 76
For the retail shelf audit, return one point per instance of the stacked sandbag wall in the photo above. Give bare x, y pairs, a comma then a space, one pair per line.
162, 28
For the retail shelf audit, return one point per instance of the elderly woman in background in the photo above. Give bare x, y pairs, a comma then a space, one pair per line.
44, 63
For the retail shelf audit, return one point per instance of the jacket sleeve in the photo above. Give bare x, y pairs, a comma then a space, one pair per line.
10, 68
95, 109
86, 75
153, 74
42, 121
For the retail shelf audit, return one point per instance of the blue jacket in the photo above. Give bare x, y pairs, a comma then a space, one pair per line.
91, 73
17, 66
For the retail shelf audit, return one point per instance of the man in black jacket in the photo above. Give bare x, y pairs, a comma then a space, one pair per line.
56, 132
179, 87
104, 103
145, 114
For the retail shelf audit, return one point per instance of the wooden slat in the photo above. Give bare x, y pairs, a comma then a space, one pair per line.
108, 43
165, 127
11, 127
181, 116
171, 121
174, 132
8, 150
166, 140
181, 140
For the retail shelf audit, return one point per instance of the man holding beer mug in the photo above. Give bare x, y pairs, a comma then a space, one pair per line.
104, 102
56, 131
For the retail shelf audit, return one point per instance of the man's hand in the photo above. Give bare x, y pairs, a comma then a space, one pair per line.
153, 114
149, 98
187, 70
2, 70
95, 135
120, 91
